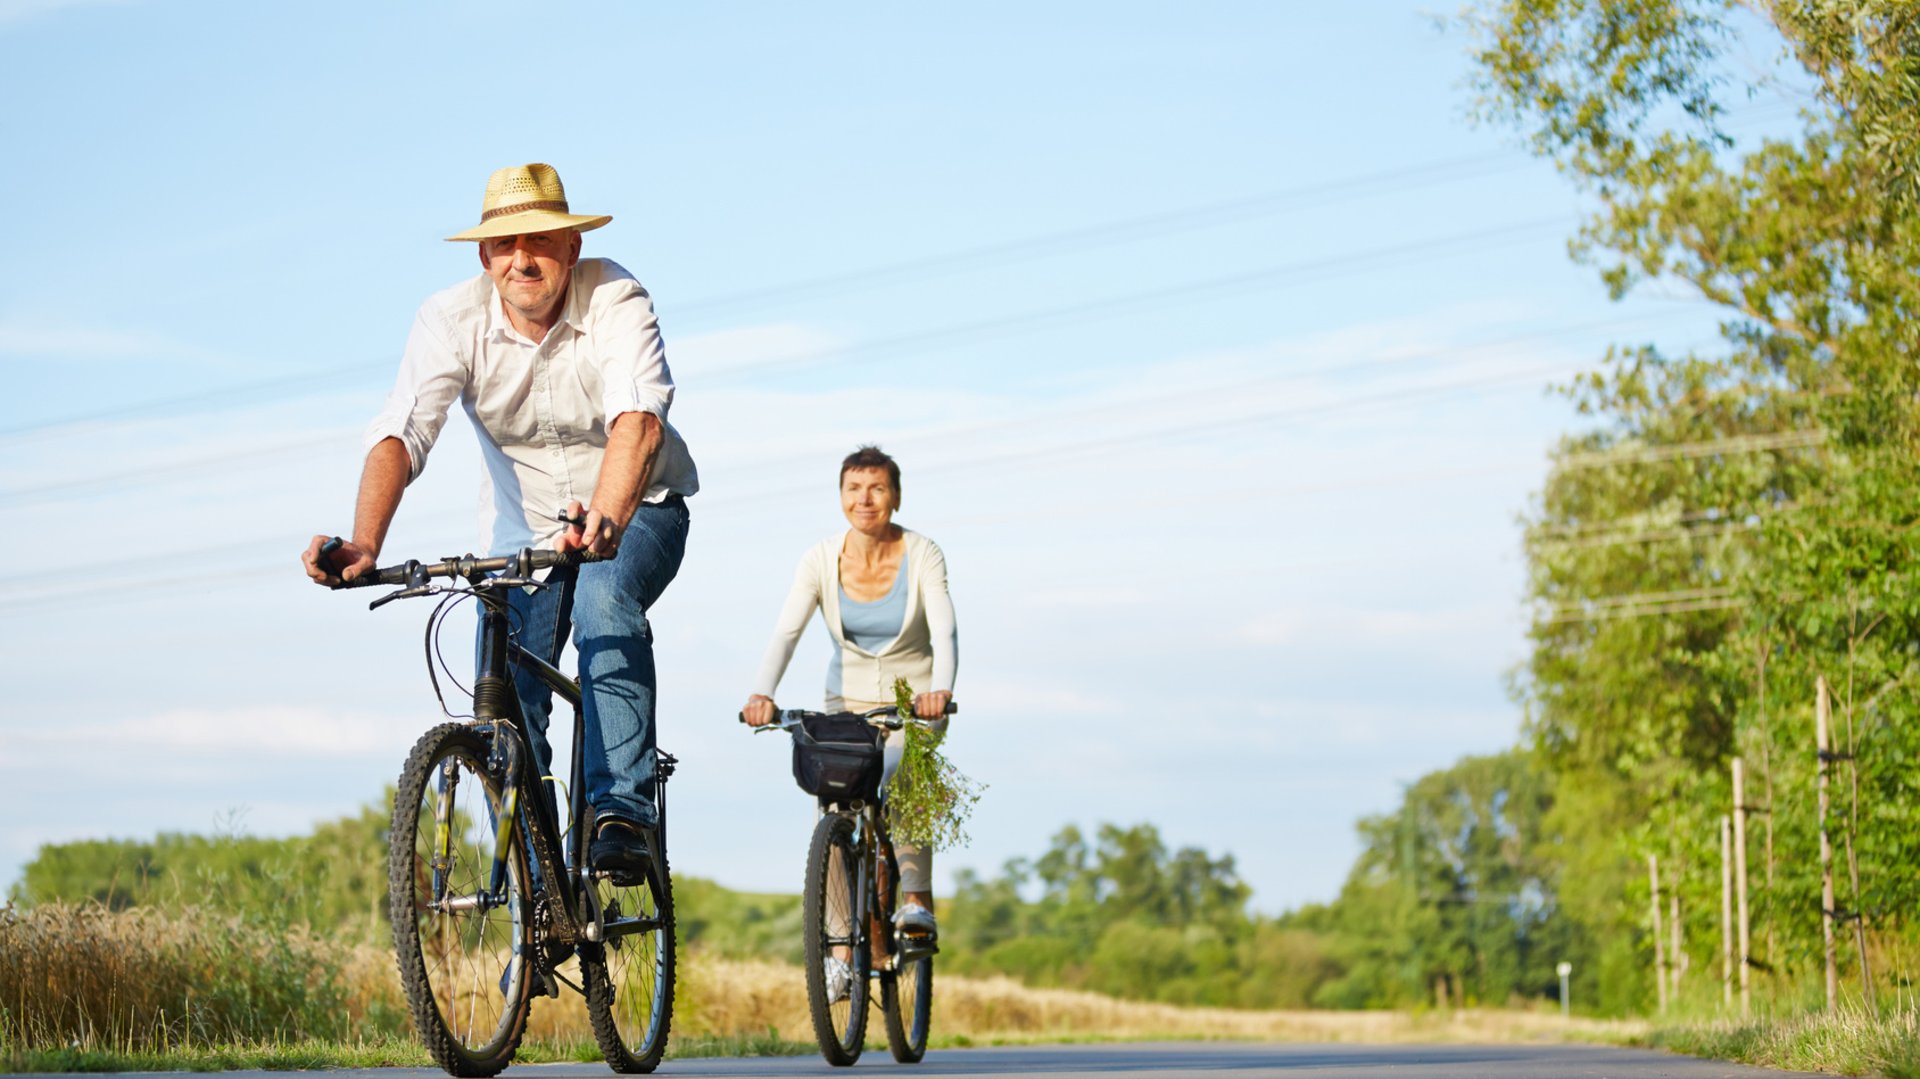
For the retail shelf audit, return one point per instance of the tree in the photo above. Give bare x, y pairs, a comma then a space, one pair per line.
1739, 521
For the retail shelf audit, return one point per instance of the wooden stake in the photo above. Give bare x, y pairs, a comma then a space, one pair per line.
1821, 717
1726, 910
1659, 945
1677, 961
1853, 868
1740, 886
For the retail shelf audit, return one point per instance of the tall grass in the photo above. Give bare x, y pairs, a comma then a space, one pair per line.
140, 987
86, 977
1844, 1042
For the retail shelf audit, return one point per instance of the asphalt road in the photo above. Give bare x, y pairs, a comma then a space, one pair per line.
1149, 1061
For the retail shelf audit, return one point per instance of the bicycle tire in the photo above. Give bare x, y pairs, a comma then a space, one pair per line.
839, 1026
462, 949
629, 977
906, 1000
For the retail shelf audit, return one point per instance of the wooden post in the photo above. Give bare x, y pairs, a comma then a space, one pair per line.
1659, 945
1821, 718
1740, 887
1726, 910
1853, 869
1677, 961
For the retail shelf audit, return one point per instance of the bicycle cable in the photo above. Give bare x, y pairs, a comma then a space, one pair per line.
434, 653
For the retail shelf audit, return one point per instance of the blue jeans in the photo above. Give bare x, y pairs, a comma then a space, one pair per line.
606, 608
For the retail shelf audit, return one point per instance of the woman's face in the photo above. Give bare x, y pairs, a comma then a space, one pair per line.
867, 498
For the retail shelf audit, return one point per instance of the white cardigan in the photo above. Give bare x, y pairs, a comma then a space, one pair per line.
926, 653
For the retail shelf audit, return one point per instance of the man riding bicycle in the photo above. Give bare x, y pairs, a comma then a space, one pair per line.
560, 366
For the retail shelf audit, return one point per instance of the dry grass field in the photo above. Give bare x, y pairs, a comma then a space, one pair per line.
87, 978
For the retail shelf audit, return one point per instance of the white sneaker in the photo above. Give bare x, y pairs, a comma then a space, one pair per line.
839, 979
915, 920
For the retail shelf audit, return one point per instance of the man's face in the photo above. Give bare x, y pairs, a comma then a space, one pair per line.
531, 270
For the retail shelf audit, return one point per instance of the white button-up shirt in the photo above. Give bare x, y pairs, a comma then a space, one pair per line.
542, 411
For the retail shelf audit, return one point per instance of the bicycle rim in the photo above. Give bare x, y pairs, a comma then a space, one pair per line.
459, 921
629, 975
837, 1002
906, 999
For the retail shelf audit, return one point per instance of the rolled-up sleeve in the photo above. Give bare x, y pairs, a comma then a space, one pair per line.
432, 376
632, 358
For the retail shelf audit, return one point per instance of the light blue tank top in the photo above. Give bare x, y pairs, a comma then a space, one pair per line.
872, 625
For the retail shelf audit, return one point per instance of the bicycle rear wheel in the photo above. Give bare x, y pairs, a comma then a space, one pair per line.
458, 885
906, 999
836, 942
629, 975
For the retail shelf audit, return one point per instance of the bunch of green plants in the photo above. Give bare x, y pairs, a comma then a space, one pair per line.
929, 799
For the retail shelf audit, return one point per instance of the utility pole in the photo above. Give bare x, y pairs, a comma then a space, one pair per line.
1740, 886
1726, 910
1659, 946
1821, 720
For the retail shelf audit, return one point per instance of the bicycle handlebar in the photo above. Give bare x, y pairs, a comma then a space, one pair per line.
886, 716
528, 561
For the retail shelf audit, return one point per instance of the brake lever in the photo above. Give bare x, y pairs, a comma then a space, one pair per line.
404, 593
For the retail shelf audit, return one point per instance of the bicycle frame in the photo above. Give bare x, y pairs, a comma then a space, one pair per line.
497, 708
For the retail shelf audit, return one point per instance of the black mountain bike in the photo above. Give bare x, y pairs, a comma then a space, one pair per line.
489, 895
847, 911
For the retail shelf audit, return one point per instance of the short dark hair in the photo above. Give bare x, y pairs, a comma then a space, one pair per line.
873, 457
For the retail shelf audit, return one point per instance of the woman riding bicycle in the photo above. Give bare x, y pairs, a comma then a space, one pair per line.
882, 591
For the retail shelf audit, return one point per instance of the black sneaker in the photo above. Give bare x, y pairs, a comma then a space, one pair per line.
620, 851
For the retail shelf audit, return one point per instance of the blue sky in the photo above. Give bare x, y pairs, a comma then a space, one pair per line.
1213, 341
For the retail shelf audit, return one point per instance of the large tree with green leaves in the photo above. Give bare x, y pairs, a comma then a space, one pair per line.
1736, 522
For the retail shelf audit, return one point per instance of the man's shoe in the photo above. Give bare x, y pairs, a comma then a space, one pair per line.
620, 851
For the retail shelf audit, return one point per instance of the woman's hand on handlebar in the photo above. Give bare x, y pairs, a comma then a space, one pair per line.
758, 711
932, 705
332, 561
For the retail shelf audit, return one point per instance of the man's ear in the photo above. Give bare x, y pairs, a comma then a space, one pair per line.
573, 250
481, 249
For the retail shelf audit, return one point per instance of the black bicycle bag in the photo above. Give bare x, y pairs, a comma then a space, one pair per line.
838, 757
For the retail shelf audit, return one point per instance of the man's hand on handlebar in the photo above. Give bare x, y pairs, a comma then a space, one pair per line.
332, 561
588, 529
758, 711
931, 705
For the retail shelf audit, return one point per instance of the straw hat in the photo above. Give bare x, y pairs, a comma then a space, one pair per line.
526, 198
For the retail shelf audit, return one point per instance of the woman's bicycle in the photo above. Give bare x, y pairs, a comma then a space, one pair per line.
489, 895
847, 911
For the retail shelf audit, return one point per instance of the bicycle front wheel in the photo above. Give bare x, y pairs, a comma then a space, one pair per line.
457, 879
906, 999
836, 941
629, 974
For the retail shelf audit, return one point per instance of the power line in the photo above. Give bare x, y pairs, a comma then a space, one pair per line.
1136, 439
1110, 233
1646, 605
1160, 297
940, 336
203, 397
1161, 401
1660, 535
224, 460
1322, 267
1713, 447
